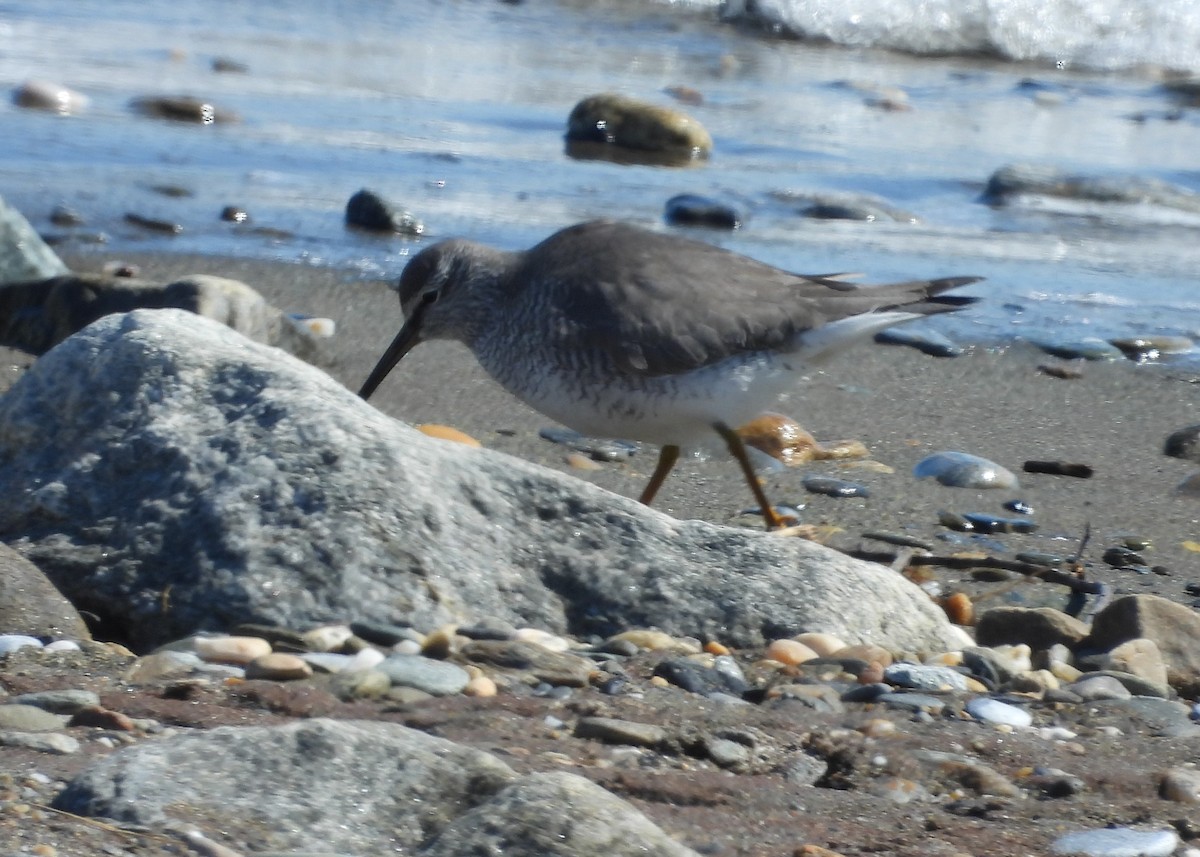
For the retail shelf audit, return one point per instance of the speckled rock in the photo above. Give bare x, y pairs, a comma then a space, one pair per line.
30, 604
1173, 628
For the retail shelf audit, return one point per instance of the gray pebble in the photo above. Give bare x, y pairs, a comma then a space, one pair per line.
921, 677
726, 753
43, 742
616, 731
59, 701
963, 470
434, 677
30, 718
921, 702
1099, 687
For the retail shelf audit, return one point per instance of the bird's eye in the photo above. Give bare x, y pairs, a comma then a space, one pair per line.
430, 297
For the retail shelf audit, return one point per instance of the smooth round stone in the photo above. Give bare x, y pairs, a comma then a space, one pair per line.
1184, 443
994, 711
437, 678
789, 652
383, 634
163, 664
912, 702
616, 731
11, 642
57, 743
1181, 785
369, 210
689, 209
59, 701
328, 662
46, 95
650, 640
921, 677
480, 686
1088, 348
1117, 842
62, 646
545, 639
963, 470
1099, 687
278, 666
29, 718
231, 650
449, 433
359, 684
823, 644
327, 638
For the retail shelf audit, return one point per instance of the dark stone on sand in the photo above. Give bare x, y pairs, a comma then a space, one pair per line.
963, 470
154, 224
984, 522
1143, 349
226, 65
30, 603
66, 217
697, 678
1089, 348
1060, 468
641, 129
183, 108
832, 487
369, 210
688, 209
235, 214
1184, 443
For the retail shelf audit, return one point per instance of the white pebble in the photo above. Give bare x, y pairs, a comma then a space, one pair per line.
545, 639
407, 647
11, 642
231, 650
327, 638
1118, 842
1056, 733
62, 646
1001, 713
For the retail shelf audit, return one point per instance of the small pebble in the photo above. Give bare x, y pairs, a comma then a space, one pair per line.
824, 645
920, 677
1181, 785
789, 652
278, 666
616, 731
438, 678
480, 686
963, 470
230, 650
991, 710
1099, 687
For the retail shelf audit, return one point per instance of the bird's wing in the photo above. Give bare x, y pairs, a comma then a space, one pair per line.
659, 304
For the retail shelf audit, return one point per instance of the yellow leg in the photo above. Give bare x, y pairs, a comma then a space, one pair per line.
666, 460
738, 450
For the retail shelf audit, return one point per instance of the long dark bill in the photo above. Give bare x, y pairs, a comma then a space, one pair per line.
408, 336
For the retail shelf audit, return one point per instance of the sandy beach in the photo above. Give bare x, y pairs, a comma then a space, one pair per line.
903, 405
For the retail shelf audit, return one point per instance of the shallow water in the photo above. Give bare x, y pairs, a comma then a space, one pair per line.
456, 110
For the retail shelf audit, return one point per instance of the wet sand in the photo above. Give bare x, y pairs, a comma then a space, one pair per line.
902, 404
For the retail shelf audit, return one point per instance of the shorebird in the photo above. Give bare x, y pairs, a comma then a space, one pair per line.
621, 332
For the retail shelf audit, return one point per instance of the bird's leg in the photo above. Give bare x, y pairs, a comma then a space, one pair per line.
666, 460
738, 450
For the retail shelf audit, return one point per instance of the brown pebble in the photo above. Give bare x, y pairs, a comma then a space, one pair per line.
873, 674
582, 462
103, 718
715, 648
278, 666
959, 608
447, 433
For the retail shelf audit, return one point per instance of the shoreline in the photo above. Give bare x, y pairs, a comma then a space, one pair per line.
900, 403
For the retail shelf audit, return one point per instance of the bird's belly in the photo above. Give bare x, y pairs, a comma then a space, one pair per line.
668, 409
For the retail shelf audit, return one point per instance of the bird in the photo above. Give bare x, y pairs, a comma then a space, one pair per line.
620, 331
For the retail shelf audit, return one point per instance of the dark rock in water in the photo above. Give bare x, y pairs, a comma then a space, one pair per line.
235, 214
225, 65
1184, 90
831, 205
52, 97
831, 487
154, 224
1060, 468
645, 132
963, 470
698, 678
1184, 443
66, 217
689, 209
1142, 349
35, 316
23, 254
183, 108
926, 341
368, 210
1025, 180
1089, 348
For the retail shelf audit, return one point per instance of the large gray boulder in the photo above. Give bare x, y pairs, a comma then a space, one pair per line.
23, 254
170, 475
358, 787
